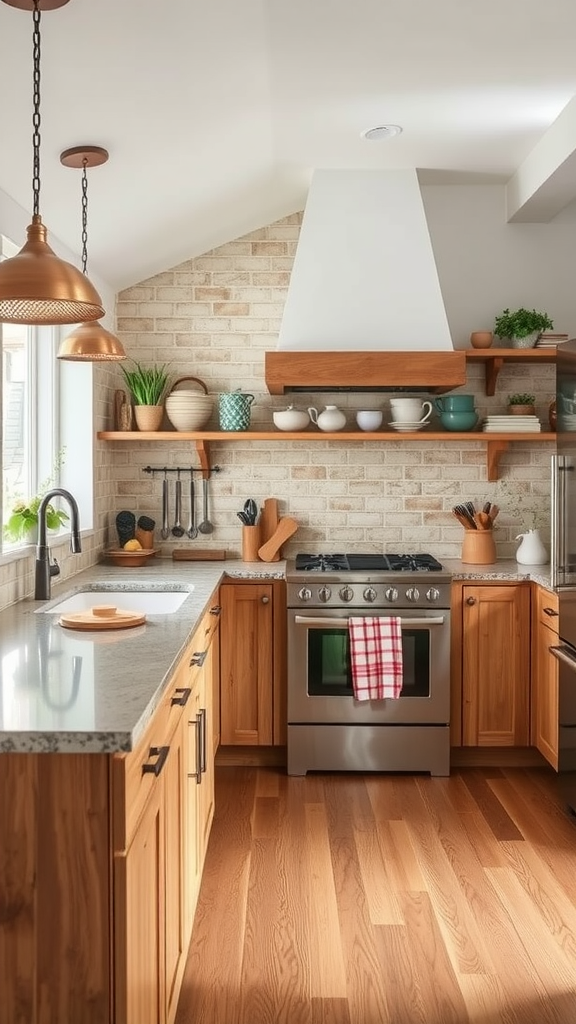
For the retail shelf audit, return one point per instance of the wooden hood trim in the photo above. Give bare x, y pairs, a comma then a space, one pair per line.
367, 371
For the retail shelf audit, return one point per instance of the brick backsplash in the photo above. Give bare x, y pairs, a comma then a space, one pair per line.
214, 317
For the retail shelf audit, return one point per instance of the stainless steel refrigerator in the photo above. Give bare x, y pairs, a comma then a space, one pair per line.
563, 564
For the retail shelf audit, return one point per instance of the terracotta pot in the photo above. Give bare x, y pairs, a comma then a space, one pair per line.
481, 339
148, 417
521, 410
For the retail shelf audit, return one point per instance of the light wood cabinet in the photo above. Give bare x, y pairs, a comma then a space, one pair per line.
544, 729
495, 664
252, 663
100, 859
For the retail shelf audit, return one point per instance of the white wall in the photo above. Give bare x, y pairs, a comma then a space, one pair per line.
486, 265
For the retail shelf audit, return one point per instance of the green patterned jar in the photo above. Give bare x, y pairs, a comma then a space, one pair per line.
234, 410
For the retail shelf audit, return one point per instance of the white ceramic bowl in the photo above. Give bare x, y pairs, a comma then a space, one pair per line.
188, 410
369, 419
291, 419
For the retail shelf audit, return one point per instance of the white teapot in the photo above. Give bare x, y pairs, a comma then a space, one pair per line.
291, 419
331, 418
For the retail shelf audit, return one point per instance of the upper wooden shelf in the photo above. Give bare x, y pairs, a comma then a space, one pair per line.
496, 444
494, 359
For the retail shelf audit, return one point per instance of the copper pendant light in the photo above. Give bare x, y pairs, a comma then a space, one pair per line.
89, 342
36, 286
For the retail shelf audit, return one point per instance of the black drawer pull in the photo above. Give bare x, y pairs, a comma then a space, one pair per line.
198, 658
550, 611
159, 752
215, 610
182, 700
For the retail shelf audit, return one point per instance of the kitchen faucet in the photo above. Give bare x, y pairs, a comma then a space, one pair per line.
44, 568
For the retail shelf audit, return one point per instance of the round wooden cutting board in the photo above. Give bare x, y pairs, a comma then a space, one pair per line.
102, 616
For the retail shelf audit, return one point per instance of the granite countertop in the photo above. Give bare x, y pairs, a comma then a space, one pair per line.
62, 690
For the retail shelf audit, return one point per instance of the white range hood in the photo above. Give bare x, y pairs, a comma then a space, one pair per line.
364, 283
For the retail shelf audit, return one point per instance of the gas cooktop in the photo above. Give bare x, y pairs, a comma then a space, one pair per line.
367, 563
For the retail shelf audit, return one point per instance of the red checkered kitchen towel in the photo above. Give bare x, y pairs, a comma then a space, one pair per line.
376, 656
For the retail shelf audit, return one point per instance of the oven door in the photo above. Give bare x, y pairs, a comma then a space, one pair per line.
320, 679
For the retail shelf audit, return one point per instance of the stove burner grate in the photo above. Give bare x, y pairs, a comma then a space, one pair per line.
367, 563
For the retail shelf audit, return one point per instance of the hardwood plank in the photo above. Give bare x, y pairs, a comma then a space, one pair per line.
285, 928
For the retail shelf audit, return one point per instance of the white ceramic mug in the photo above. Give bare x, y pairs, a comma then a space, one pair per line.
410, 410
369, 419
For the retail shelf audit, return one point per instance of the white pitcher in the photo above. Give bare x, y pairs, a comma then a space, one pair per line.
531, 550
331, 418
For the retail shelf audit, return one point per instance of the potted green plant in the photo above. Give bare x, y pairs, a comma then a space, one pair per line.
523, 327
521, 404
22, 522
147, 385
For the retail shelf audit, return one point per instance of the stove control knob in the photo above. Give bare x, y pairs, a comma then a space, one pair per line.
412, 594
433, 595
346, 593
305, 594
370, 594
391, 594
324, 594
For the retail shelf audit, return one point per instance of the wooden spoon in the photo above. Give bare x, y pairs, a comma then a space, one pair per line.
286, 527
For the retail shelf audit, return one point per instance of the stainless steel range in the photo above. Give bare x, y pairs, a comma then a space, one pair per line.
327, 728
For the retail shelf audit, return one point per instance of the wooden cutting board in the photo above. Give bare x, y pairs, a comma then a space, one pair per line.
268, 523
102, 616
270, 551
198, 554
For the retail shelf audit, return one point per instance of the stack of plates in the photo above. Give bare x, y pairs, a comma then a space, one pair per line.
406, 426
512, 424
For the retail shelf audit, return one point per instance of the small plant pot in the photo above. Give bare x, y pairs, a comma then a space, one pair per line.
481, 339
521, 410
148, 417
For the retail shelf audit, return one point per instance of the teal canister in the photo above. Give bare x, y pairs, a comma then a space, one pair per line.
234, 410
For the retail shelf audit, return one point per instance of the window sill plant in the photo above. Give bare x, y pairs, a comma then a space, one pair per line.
22, 523
147, 385
521, 404
523, 327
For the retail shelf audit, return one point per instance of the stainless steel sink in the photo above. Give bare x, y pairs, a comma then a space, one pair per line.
151, 602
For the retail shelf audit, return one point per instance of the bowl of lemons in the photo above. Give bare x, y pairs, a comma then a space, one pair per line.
131, 554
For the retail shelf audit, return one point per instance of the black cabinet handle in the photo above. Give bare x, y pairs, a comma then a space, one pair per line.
215, 610
550, 611
161, 753
198, 748
182, 700
198, 658
202, 714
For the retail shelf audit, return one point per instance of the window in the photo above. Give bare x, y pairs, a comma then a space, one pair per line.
46, 410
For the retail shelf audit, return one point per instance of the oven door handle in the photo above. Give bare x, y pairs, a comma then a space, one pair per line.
564, 654
308, 620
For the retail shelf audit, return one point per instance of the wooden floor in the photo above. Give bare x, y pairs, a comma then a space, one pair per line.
385, 899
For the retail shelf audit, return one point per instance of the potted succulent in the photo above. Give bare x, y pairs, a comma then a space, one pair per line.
523, 327
147, 385
521, 404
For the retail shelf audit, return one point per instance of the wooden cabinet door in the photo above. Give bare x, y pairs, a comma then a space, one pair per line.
544, 703
496, 665
192, 869
140, 919
175, 945
246, 664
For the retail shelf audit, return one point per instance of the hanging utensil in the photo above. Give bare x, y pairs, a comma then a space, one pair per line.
192, 532
178, 530
205, 526
165, 531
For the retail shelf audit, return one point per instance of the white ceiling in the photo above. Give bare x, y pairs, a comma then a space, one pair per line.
215, 112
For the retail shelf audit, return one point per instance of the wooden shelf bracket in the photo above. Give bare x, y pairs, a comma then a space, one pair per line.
494, 449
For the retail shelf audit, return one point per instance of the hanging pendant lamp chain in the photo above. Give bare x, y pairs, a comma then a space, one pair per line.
84, 215
36, 104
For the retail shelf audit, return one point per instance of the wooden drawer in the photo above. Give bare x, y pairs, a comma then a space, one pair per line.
134, 775
547, 605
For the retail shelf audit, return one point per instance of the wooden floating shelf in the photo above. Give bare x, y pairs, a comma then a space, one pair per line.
494, 359
496, 443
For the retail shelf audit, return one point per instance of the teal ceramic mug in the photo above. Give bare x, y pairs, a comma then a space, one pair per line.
454, 403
